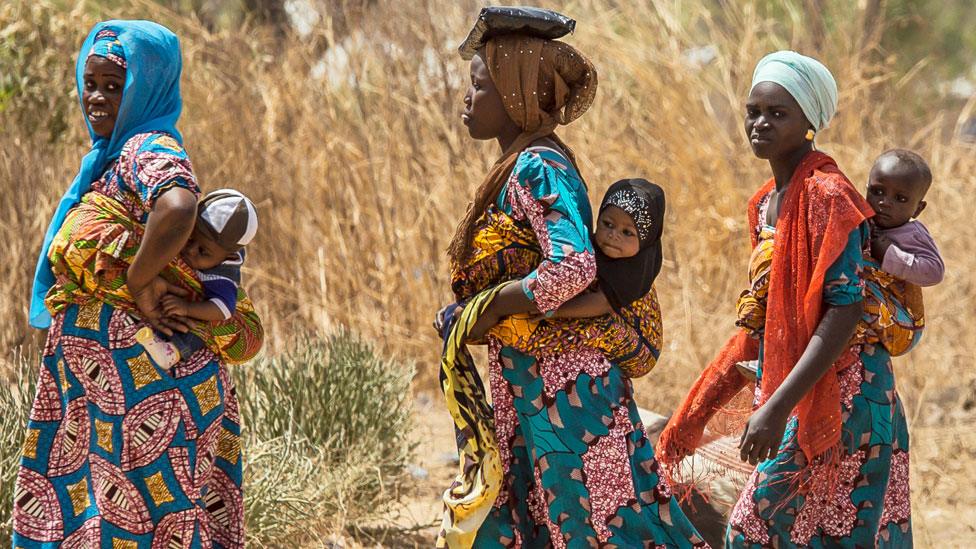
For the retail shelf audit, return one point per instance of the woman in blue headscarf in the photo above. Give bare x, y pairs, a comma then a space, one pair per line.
119, 452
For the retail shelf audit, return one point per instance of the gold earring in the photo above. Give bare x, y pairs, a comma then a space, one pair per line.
810, 135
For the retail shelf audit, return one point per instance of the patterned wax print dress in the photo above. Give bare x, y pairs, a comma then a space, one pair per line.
863, 501
579, 468
118, 452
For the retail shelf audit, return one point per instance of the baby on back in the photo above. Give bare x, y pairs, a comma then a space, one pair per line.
627, 243
901, 244
226, 223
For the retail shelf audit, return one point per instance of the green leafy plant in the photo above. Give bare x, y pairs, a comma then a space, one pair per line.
16, 397
327, 435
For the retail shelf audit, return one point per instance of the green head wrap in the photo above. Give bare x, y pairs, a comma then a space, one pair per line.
806, 79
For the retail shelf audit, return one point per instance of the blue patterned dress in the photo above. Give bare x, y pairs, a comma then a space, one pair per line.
579, 468
864, 503
119, 453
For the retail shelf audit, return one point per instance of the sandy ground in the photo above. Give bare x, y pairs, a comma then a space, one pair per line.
944, 508
414, 523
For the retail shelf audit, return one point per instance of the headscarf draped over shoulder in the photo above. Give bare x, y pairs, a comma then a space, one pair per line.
150, 54
543, 84
806, 79
820, 210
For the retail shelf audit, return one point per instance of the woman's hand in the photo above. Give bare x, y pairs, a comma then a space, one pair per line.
147, 299
763, 434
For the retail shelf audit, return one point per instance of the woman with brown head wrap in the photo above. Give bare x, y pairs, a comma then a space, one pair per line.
566, 461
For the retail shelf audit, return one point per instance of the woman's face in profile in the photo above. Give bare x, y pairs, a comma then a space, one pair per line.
775, 124
484, 114
102, 93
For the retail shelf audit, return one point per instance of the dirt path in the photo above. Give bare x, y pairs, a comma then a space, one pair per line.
943, 497
414, 522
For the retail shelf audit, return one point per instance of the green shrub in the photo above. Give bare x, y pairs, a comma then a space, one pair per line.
327, 429
16, 397
327, 434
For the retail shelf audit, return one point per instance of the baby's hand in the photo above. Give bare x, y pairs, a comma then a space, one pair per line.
174, 306
879, 246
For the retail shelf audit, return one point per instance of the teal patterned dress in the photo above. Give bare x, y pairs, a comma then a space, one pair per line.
864, 503
579, 468
118, 452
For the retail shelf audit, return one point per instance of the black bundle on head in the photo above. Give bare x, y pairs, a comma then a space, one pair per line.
499, 20
627, 279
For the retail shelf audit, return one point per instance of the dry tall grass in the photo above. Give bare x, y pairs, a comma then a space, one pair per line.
360, 169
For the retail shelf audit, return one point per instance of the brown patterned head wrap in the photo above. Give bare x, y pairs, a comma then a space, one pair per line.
543, 84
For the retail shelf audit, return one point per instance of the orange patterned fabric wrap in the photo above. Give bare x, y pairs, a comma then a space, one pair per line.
894, 313
751, 307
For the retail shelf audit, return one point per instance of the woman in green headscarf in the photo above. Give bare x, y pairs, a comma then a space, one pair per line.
828, 431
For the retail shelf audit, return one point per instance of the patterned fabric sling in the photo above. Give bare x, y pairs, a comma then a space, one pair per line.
894, 314
506, 250
91, 253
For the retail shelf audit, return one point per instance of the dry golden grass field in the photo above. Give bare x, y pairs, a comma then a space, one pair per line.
350, 143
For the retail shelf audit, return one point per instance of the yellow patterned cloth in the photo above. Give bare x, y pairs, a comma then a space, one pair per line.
751, 307
91, 253
631, 339
894, 314
505, 250
473, 492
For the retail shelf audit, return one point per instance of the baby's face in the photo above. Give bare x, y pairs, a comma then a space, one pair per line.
616, 235
202, 252
895, 197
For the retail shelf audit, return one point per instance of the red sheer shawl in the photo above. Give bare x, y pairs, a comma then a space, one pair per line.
819, 211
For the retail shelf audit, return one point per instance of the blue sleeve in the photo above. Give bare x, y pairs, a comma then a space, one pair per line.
220, 286
843, 283
547, 193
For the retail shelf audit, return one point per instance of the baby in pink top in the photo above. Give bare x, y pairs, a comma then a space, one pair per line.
896, 191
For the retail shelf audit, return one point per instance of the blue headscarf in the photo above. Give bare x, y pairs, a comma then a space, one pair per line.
150, 102
806, 79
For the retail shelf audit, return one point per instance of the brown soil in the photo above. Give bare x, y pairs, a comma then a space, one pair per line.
944, 513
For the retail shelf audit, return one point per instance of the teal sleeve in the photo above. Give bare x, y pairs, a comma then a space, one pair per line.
552, 199
843, 283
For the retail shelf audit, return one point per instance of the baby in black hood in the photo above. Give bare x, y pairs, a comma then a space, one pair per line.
627, 242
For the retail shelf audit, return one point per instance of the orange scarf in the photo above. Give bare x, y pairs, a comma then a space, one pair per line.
818, 213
